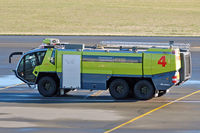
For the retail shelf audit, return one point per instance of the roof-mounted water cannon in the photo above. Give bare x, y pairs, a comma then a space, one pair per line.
49, 43
55, 43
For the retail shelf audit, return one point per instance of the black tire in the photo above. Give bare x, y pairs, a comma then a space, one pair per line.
143, 90
47, 86
119, 89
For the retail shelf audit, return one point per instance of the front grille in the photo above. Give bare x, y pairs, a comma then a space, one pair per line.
185, 71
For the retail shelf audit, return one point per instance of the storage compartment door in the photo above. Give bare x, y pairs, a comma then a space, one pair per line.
71, 71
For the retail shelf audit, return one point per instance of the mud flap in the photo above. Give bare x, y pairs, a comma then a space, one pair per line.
163, 81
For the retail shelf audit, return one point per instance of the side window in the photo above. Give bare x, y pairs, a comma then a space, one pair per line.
52, 60
40, 56
20, 69
30, 61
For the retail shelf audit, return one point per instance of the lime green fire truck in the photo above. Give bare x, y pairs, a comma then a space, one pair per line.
139, 69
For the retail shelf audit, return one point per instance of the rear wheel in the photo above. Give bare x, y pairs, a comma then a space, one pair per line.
144, 90
47, 86
119, 89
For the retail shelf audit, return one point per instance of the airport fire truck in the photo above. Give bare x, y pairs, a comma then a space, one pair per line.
138, 69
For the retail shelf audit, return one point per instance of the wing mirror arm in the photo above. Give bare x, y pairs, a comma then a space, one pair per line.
14, 53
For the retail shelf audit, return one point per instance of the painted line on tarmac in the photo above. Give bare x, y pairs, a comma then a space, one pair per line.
151, 111
97, 93
188, 101
11, 86
185, 101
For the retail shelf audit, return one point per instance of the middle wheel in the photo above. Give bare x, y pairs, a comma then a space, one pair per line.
119, 89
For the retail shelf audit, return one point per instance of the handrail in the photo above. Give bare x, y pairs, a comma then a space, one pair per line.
116, 44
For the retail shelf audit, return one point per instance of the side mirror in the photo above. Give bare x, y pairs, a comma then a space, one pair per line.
14, 53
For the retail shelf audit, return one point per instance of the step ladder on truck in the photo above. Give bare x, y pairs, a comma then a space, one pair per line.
138, 69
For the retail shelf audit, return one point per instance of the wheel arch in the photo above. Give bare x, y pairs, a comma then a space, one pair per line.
130, 80
49, 74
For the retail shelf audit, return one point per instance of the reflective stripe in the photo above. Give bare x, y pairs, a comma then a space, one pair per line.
174, 79
121, 59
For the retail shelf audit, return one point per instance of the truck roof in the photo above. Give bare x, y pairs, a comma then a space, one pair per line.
36, 50
121, 47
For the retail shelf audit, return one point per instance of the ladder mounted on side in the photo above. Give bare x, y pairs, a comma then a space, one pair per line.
143, 45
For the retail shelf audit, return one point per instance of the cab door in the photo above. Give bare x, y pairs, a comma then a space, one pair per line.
30, 64
71, 71
27, 65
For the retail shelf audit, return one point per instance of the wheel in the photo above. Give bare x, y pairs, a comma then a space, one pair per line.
143, 90
119, 89
47, 86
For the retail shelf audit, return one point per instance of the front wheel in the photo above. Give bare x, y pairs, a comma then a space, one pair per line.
144, 90
47, 86
119, 89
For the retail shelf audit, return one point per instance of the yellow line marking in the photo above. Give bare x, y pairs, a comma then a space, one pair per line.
97, 93
145, 114
11, 86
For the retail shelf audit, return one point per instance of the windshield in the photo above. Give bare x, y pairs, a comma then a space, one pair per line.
27, 65
40, 56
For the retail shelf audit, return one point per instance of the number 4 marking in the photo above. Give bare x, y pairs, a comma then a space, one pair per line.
162, 61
